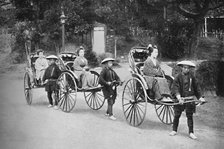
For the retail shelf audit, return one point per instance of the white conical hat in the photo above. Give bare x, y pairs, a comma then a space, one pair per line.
107, 59
52, 57
188, 63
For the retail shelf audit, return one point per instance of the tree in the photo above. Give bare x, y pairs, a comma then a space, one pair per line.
195, 10
43, 17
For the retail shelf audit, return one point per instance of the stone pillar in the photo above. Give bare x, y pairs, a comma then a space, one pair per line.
99, 38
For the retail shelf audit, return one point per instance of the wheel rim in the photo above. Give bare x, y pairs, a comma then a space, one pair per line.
134, 102
94, 99
165, 113
27, 89
67, 91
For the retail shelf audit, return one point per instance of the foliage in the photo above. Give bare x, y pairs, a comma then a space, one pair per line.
174, 40
210, 49
104, 55
123, 16
18, 47
91, 56
206, 75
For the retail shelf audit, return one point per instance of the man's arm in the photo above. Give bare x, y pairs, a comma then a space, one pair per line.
101, 78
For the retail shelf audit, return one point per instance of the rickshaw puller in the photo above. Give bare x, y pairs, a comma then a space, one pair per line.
106, 79
50, 77
185, 85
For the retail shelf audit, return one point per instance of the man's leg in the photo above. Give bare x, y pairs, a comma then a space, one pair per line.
109, 107
177, 114
190, 122
49, 95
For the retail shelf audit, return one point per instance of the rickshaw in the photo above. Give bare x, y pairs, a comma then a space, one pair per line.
30, 81
67, 82
69, 86
136, 95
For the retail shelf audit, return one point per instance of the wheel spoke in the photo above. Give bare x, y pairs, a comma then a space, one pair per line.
159, 107
126, 104
99, 96
128, 108
97, 100
94, 99
88, 94
164, 111
134, 102
132, 109
161, 111
139, 111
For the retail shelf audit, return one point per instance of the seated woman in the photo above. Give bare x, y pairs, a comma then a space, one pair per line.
154, 76
81, 69
41, 65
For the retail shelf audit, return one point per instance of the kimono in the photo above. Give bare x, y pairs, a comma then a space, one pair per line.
151, 69
154, 77
85, 77
110, 92
41, 65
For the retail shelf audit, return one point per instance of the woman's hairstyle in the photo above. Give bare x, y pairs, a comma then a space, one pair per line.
80, 48
150, 49
39, 51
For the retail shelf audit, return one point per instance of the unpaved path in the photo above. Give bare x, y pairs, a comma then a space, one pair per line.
38, 127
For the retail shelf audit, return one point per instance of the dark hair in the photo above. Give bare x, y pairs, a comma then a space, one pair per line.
81, 48
40, 50
150, 49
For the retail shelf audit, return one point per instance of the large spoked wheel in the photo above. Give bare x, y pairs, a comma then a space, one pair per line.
165, 113
28, 88
67, 91
134, 101
94, 96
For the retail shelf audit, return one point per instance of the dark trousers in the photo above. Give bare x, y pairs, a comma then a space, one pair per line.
110, 103
177, 113
49, 95
110, 95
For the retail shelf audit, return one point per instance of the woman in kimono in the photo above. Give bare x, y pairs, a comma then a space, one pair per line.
81, 69
155, 77
41, 65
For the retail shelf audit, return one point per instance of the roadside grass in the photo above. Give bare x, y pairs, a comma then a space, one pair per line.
212, 114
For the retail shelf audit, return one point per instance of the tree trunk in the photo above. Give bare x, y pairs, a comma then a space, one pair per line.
194, 41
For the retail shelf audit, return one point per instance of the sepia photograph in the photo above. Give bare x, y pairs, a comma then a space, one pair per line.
111, 74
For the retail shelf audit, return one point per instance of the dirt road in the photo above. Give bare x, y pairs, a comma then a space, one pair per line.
38, 127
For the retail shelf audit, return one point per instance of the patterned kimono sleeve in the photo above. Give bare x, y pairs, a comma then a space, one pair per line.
148, 68
76, 65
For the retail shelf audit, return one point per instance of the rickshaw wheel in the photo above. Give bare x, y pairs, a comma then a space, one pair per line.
94, 97
165, 113
67, 91
134, 101
28, 88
